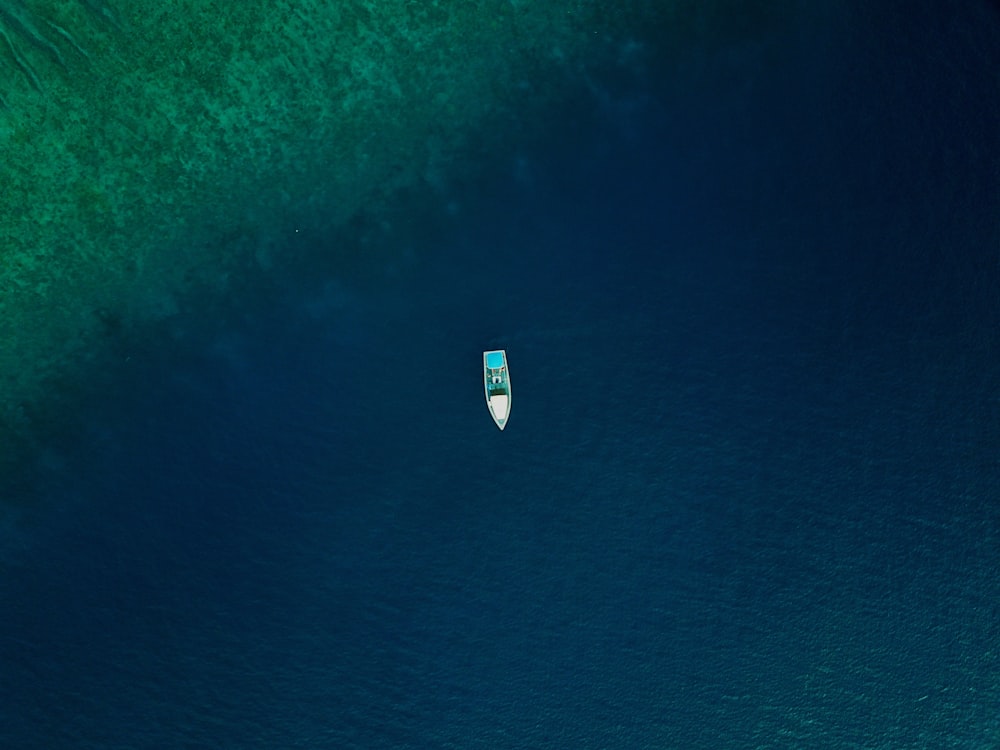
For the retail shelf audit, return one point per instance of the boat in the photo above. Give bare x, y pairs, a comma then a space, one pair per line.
496, 379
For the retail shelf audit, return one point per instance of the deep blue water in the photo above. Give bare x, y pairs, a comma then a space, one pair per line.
748, 494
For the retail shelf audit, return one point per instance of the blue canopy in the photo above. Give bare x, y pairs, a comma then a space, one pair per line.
494, 360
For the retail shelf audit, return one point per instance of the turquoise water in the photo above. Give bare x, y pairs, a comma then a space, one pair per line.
761, 511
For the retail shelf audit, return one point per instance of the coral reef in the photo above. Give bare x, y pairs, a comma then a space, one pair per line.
35, 41
157, 152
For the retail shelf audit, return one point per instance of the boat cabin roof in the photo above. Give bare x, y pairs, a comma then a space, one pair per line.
494, 360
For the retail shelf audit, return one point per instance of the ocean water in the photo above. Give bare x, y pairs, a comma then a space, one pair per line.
748, 494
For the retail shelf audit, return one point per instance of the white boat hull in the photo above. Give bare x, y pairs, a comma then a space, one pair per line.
496, 381
500, 409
